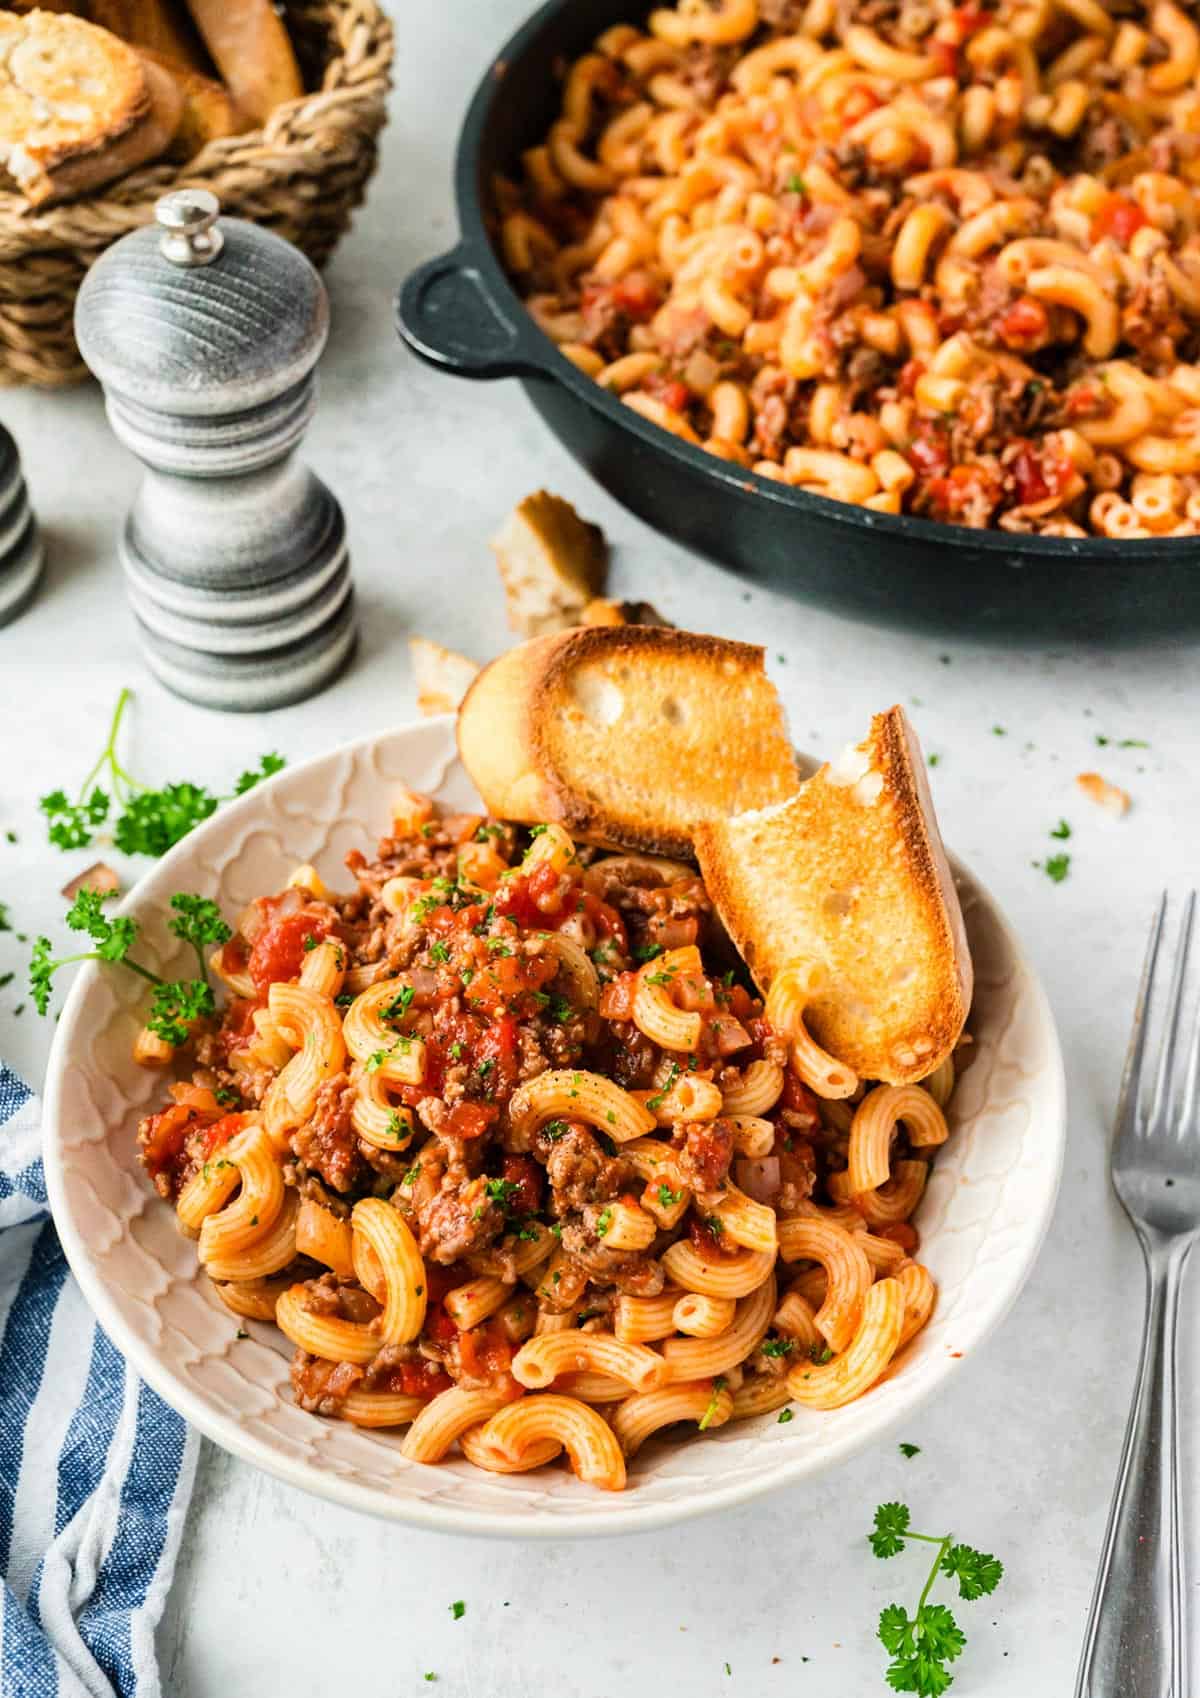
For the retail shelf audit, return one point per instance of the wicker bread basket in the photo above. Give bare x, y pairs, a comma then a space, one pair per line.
302, 175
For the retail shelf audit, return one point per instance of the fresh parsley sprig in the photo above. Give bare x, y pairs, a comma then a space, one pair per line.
145, 821
921, 1645
176, 1004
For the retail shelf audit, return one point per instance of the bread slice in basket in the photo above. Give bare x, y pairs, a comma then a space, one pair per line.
77, 106
627, 735
850, 872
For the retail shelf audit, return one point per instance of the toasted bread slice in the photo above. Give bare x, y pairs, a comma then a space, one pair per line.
627, 735
252, 50
552, 563
77, 106
442, 676
851, 872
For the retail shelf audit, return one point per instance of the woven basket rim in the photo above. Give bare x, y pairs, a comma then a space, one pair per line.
145, 185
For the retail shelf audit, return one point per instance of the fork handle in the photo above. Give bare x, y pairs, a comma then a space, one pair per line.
1133, 1647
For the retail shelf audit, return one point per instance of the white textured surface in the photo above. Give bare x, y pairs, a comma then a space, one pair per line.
981, 1219
276, 1593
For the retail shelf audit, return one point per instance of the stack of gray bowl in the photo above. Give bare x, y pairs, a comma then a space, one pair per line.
21, 553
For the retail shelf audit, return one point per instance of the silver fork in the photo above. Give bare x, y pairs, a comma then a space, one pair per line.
1134, 1646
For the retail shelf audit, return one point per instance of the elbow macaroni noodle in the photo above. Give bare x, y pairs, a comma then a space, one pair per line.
923, 265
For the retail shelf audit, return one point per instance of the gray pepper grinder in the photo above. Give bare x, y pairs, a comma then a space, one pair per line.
205, 336
21, 552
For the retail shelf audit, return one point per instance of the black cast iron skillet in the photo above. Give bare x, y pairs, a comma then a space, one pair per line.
461, 313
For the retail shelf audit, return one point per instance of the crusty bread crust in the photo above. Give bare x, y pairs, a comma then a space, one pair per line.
522, 727
851, 871
253, 52
208, 109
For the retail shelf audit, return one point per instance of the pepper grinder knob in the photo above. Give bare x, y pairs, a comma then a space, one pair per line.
205, 332
192, 235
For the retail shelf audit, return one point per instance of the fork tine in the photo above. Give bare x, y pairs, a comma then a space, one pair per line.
1132, 1076
1191, 1083
1170, 1040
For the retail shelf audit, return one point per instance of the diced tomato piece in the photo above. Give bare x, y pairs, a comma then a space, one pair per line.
515, 899
910, 371
929, 452
945, 57
485, 1352
1039, 476
221, 1132
798, 1097
526, 1176
471, 1120
970, 19
1026, 324
670, 391
1118, 217
740, 1002
419, 1378
279, 950
606, 921
709, 1240
438, 1281
438, 1325
637, 294
859, 102
495, 1056
616, 999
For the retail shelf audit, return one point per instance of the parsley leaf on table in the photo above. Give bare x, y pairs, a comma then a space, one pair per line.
145, 821
921, 1645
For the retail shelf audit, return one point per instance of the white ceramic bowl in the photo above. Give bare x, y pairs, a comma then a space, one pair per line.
982, 1218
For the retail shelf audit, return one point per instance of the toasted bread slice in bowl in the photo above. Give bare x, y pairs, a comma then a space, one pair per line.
627, 735
850, 873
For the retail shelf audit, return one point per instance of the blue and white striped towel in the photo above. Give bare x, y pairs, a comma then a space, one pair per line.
95, 1470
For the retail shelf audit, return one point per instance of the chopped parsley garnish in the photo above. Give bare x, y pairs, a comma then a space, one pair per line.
410, 1178
785, 1415
554, 1129
660, 1097
999, 731
923, 1644
501, 1190
778, 1346
705, 1421
647, 951
603, 1222
667, 1198
664, 978
310, 943
1055, 867
820, 1354
439, 952
400, 1004
458, 1609
1061, 830
397, 1127
455, 1051
909, 1450
795, 184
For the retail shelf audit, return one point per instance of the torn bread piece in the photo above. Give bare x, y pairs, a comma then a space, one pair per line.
552, 564
850, 873
601, 612
627, 735
442, 676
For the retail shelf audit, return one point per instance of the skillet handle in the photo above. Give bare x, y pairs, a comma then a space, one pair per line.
448, 314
